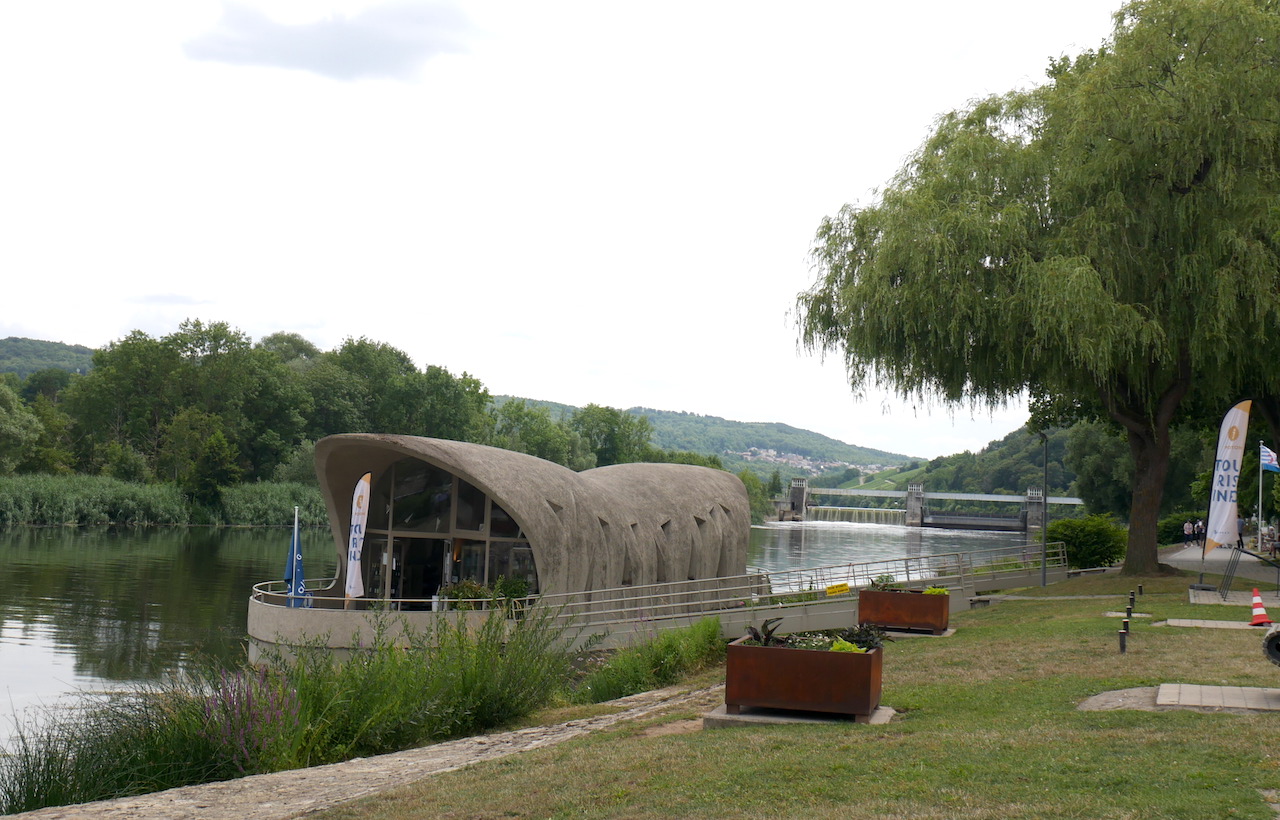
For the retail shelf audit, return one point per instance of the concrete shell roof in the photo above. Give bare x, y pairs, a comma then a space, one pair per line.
628, 523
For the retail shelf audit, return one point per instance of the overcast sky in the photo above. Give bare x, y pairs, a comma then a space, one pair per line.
606, 202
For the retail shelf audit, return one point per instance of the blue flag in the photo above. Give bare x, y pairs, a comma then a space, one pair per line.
1269, 460
293, 577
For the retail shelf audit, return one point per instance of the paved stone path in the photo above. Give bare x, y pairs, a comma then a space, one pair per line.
295, 793
1252, 698
1206, 624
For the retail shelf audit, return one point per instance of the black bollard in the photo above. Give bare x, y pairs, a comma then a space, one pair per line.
1125, 624
1132, 600
1123, 635
1139, 589
1128, 612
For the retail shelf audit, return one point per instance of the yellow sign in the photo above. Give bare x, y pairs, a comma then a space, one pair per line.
838, 589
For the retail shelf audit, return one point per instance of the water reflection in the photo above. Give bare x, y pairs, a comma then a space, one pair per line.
91, 608
778, 546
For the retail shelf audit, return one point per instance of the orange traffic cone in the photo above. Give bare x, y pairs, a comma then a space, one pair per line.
1259, 613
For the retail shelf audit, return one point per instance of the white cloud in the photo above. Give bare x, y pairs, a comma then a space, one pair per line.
392, 40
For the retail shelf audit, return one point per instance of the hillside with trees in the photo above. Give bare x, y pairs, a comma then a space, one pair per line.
25, 356
760, 446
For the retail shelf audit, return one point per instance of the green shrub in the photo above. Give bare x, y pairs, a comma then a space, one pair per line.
659, 661
1092, 541
465, 593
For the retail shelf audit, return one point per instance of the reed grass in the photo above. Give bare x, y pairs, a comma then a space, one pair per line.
45, 500
271, 503
114, 745
85, 500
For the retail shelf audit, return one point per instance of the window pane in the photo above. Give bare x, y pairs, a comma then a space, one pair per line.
468, 558
503, 525
522, 566
373, 566
422, 497
380, 501
499, 561
471, 504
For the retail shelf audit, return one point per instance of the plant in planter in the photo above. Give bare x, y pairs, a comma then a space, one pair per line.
770, 675
764, 635
904, 608
865, 636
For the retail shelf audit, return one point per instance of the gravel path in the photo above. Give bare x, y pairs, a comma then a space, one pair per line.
304, 791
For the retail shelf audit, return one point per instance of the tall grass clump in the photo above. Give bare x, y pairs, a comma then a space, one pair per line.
45, 500
175, 734
659, 661
456, 678
271, 503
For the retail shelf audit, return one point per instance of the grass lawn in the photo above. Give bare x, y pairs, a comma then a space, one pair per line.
987, 728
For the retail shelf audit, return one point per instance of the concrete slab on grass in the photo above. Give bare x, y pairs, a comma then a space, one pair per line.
1218, 697
1261, 630
719, 719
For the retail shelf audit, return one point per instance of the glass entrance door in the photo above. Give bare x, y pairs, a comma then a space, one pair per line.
420, 563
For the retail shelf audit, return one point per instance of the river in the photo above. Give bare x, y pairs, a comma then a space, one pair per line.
85, 609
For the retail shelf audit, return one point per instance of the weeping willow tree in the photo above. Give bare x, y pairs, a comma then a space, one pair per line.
1109, 238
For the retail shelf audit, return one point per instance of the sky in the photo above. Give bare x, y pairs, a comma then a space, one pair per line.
579, 202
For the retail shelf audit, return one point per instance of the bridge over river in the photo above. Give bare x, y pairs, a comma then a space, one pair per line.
915, 509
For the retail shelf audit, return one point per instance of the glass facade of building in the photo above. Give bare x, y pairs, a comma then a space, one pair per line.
428, 528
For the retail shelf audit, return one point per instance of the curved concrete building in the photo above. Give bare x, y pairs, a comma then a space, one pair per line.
447, 511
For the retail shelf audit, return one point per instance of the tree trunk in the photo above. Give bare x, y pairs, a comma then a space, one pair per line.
1150, 450
1268, 406
1147, 426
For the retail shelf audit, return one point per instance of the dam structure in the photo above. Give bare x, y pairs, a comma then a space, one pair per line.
912, 508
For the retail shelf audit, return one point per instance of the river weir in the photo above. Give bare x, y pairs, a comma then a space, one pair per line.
858, 515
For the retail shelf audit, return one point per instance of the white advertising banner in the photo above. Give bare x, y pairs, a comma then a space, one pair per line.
355, 543
1223, 514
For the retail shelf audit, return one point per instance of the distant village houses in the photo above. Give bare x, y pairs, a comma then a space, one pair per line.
804, 464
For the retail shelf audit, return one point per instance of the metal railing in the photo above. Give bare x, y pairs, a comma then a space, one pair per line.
958, 571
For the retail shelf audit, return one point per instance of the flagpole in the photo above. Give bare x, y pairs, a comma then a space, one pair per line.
293, 561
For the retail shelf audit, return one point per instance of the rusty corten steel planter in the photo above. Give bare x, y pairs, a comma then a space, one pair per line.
777, 677
904, 609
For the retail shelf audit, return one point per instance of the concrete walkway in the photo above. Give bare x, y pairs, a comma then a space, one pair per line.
1251, 568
